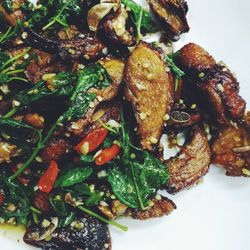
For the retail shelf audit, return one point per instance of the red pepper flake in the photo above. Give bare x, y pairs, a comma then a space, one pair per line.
92, 141
107, 155
48, 179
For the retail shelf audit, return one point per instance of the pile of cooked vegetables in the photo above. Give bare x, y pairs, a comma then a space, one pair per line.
89, 111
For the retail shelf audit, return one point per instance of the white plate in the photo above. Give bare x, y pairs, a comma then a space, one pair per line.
215, 214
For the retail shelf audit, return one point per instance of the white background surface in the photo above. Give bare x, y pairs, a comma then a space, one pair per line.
214, 215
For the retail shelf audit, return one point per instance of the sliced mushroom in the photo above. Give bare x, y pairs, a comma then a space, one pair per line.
162, 206
149, 88
85, 46
172, 15
116, 30
84, 233
41, 231
98, 12
190, 164
212, 85
231, 150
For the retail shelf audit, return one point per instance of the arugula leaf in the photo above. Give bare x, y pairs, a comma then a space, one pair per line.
134, 180
15, 194
11, 32
141, 17
149, 174
64, 222
7, 4
58, 205
63, 11
71, 176
15, 130
179, 73
94, 76
3, 59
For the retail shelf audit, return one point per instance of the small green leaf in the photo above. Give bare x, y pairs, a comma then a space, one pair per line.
73, 176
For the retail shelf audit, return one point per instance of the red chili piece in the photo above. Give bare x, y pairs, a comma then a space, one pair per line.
107, 155
48, 179
92, 141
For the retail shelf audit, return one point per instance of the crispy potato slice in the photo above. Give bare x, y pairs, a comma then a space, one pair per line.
190, 164
149, 87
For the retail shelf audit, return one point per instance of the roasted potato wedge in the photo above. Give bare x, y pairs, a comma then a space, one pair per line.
149, 88
190, 164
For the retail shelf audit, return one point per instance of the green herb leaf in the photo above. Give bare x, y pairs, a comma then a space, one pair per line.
60, 85
135, 180
179, 73
93, 76
14, 194
72, 176
141, 17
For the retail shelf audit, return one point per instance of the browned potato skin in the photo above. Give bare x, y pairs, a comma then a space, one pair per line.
190, 164
223, 154
154, 96
160, 208
195, 58
172, 15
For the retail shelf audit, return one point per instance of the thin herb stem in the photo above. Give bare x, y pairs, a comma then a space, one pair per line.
139, 25
110, 222
33, 209
15, 71
30, 159
14, 59
55, 19
17, 78
106, 126
136, 187
5, 35
10, 113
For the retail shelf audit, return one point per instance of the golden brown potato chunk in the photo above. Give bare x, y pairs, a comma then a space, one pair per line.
231, 150
149, 87
190, 164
